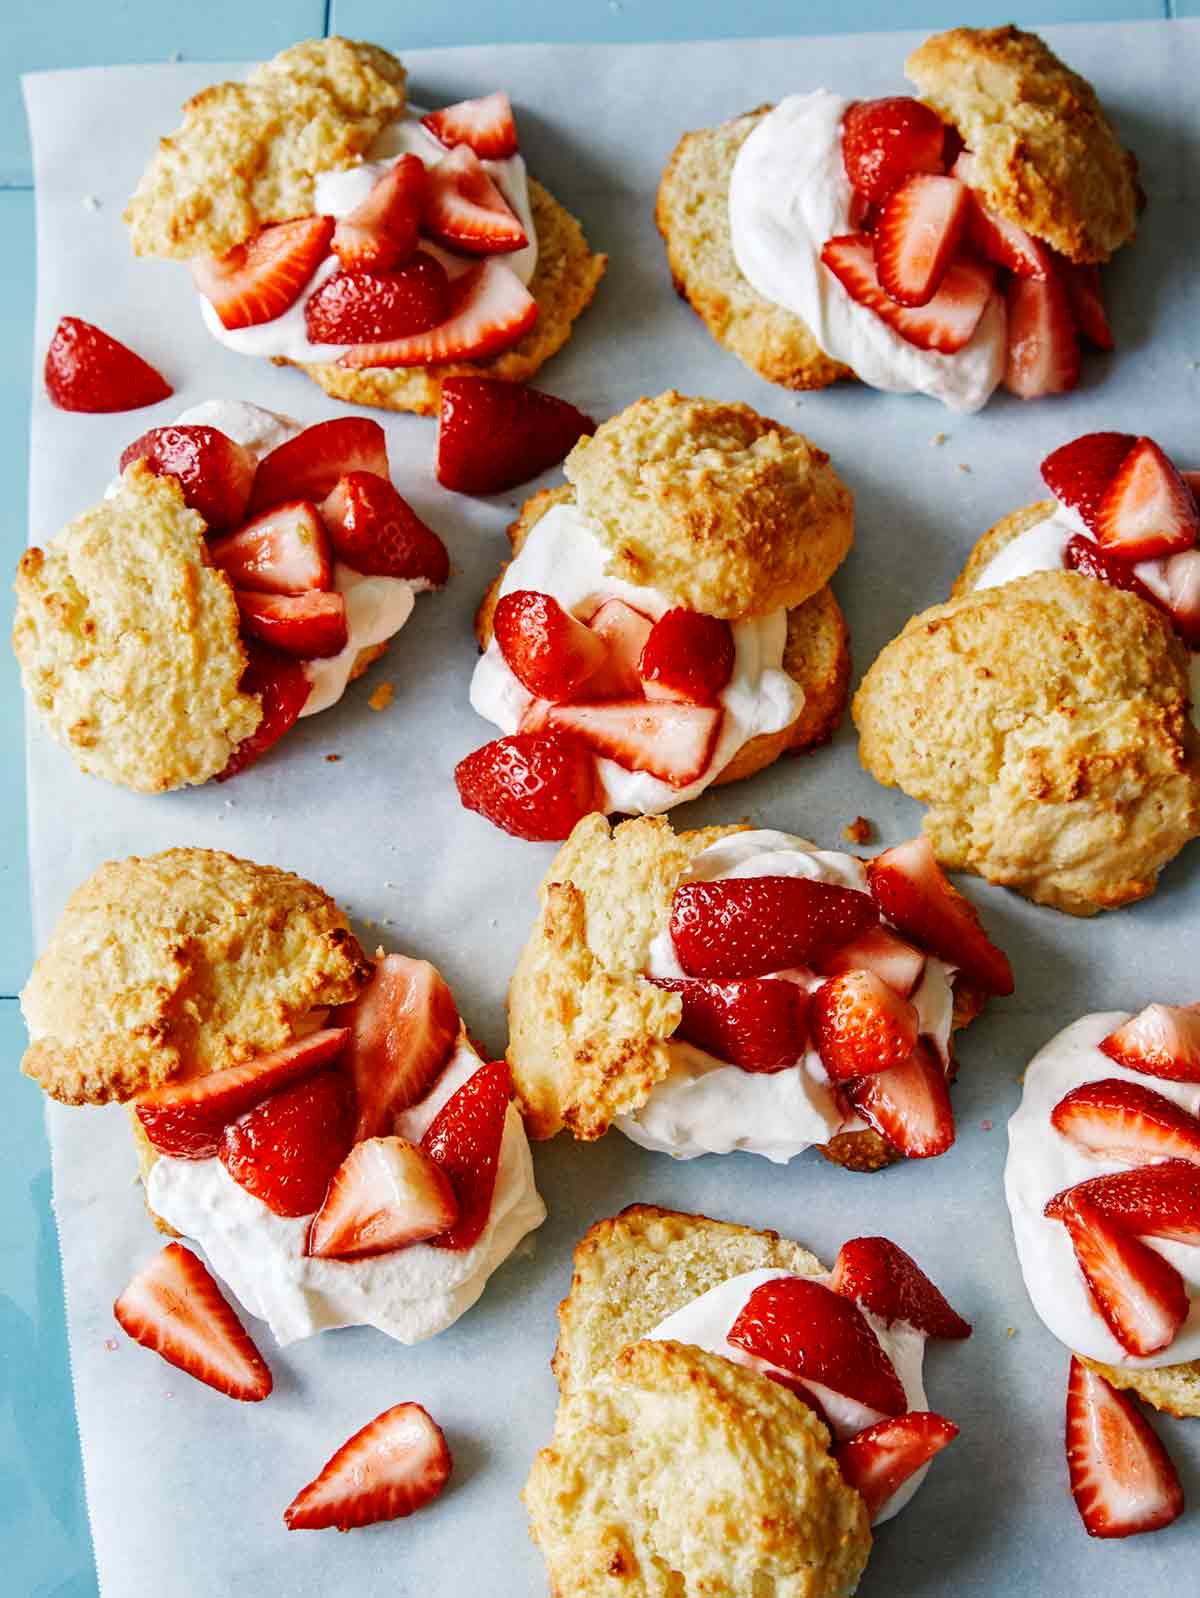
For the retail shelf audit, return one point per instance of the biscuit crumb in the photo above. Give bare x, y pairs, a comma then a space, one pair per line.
333, 759
382, 696
858, 831
985, 1126
939, 438
1012, 1331
111, 1344
963, 467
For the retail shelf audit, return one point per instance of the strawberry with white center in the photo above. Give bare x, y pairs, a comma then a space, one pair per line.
945, 323
395, 1465
466, 211
382, 231
257, 281
908, 1104
1148, 511
673, 742
880, 950
386, 1194
626, 631
994, 236
312, 626
1162, 1040
486, 125
1161, 1200
490, 310
1121, 1120
280, 551
1043, 347
1122, 1478
918, 236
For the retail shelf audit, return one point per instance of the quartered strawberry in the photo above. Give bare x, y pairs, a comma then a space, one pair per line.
185, 1119
363, 307
394, 1465
312, 626
375, 530
1140, 1295
749, 926
1115, 1119
1078, 473
403, 1028
1122, 1478
382, 231
758, 1024
880, 950
672, 742
309, 465
1147, 510
909, 1105
1151, 1201
257, 281
466, 211
918, 234
884, 140
688, 657
1004, 243
1161, 1040
1087, 556
464, 1139
286, 1148
877, 1274
546, 649
1087, 303
878, 1461
283, 688
214, 473
490, 309
946, 323
625, 632
486, 125
920, 901
88, 370
283, 550
1181, 574
1043, 346
385, 1195
861, 1025
533, 785
493, 434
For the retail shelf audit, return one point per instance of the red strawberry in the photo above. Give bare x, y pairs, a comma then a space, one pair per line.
946, 323
881, 951
803, 1327
281, 551
385, 1195
877, 1274
397, 1463
749, 926
884, 140
312, 626
1078, 473
214, 473
669, 741
687, 656
283, 689
493, 434
536, 786
403, 1028
362, 307
625, 632
861, 1025
464, 1139
1151, 1201
918, 235
88, 370
1043, 348
919, 900
309, 465
376, 531
1182, 576
756, 1024
1118, 1120
546, 649
994, 236
486, 125
1141, 1295
1087, 303
466, 211
1086, 556
909, 1105
185, 1119
174, 1307
382, 231
878, 1461
1161, 1040
285, 1149
1122, 1478
490, 308
257, 281
1147, 510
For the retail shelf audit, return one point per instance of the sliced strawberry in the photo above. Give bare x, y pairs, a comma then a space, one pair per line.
1141, 1295
466, 211
376, 531
625, 632
881, 951
185, 1119
214, 473
884, 140
312, 626
672, 742
749, 926
756, 1024
1087, 303
309, 465
1078, 473
946, 323
1122, 1478
382, 231
878, 1461
909, 1105
1085, 555
920, 901
280, 551
546, 649
688, 656
918, 234
1119, 1120
385, 1195
1182, 576
1043, 347
1147, 510
995, 237
861, 1025
394, 1465
493, 434
403, 1028
486, 125
362, 307
490, 309
286, 1149
877, 1274
88, 370
258, 281
464, 1139
533, 785
1161, 1040
1151, 1201
283, 688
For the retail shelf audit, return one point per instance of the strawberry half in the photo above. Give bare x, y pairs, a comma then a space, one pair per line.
486, 125
281, 551
283, 687
1182, 576
382, 231
285, 1149
918, 234
756, 1024
878, 1461
312, 626
549, 653
176, 1308
687, 657
1087, 303
1043, 347
466, 211
1004, 243
884, 140
1122, 1478
464, 1139
385, 1195
1084, 555
879, 950
877, 1274
257, 281
1118, 1120
1140, 1295
88, 370
214, 473
493, 434
862, 1025
490, 308
672, 742
396, 1464
1147, 510
376, 531
1078, 473
362, 307
909, 1105
1152, 1201
532, 785
625, 632
1162, 1040
309, 465
749, 926
946, 323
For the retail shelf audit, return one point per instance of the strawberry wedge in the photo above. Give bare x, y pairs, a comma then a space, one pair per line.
1154, 1201
946, 323
1140, 1295
281, 551
258, 281
534, 786
1122, 1478
546, 649
387, 1194
879, 1460
756, 1024
490, 310
878, 1275
1043, 346
307, 467
463, 1140
382, 231
310, 626
486, 125
861, 1025
88, 370
396, 1464
918, 235
1118, 1120
466, 211
1162, 1040
920, 901
880, 950
751, 926
1148, 510
1078, 473
908, 1104
673, 742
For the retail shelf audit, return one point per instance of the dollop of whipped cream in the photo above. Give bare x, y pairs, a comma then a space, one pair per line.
1041, 1162
563, 557
339, 193
705, 1105
410, 1294
788, 194
706, 1323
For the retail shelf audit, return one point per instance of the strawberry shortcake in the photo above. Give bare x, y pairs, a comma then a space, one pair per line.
733, 1417
331, 226
742, 989
665, 622
941, 245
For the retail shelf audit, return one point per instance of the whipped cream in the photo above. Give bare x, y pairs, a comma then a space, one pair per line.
339, 193
788, 194
706, 1322
1041, 1162
705, 1105
410, 1294
563, 557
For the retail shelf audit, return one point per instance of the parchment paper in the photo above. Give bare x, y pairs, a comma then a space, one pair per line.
186, 1490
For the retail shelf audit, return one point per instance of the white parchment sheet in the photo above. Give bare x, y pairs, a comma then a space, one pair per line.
185, 1489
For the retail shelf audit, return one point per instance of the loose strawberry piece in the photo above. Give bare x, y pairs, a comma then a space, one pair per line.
1147, 510
1078, 473
758, 1025
362, 307
861, 1025
1043, 347
185, 1119
909, 1105
281, 551
88, 370
879, 1275
490, 309
486, 125
1161, 1040
283, 689
672, 742
1122, 1478
385, 1195
493, 434
394, 1465
1182, 576
803, 1327
376, 531
214, 473
533, 785
918, 234
1087, 303
312, 626
464, 1139
920, 901
878, 1461
1151, 1201
174, 1307
258, 281
1118, 1120
382, 231
403, 1028
625, 632
466, 211
748, 926
546, 649
309, 465
881, 951
1085, 555
884, 140
1141, 1295
946, 323
285, 1149
687, 657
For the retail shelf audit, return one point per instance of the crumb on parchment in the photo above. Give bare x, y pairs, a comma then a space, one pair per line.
382, 695
858, 831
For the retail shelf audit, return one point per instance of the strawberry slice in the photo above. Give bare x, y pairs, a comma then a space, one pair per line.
1043, 347
257, 281
908, 1105
1152, 1201
749, 926
920, 901
1161, 1040
490, 309
385, 1195
877, 1274
394, 1465
214, 473
464, 1139
176, 1308
918, 234
803, 1327
382, 231
1147, 510
878, 1461
755, 1024
403, 1028
88, 370
881, 951
1078, 473
946, 323
309, 465
1141, 1295
185, 1119
312, 626
625, 632
493, 434
361, 307
1087, 303
280, 551
466, 211
993, 236
1122, 1478
1119, 1120
672, 742
861, 1025
283, 687
1085, 555
687, 657
884, 140
486, 125
1182, 576
533, 785
549, 653
285, 1150
376, 531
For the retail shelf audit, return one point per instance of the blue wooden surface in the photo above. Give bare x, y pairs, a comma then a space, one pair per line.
43, 1524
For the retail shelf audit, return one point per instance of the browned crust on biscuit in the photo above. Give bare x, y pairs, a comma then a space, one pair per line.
1174, 1389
